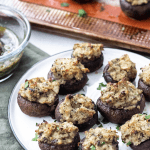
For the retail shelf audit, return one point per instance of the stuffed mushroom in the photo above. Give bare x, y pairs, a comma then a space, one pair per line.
120, 68
100, 139
70, 73
120, 101
90, 55
78, 109
38, 97
144, 82
58, 136
136, 132
136, 9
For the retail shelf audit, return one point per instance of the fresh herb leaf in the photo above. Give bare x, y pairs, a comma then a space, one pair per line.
147, 117
129, 143
57, 128
83, 94
140, 114
37, 124
118, 127
117, 138
101, 85
92, 147
123, 142
64, 5
36, 137
47, 10
103, 143
100, 125
26, 84
54, 80
123, 28
55, 120
82, 13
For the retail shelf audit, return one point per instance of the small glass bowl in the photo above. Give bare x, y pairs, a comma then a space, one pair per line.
16, 22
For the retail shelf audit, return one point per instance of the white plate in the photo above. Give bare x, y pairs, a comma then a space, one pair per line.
24, 126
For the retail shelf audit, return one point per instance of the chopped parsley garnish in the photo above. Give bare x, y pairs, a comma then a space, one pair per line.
140, 114
123, 28
83, 94
145, 113
123, 141
101, 85
103, 143
82, 13
54, 80
100, 125
36, 137
117, 138
26, 84
37, 124
129, 143
64, 5
147, 117
92, 147
47, 10
57, 128
55, 120
118, 127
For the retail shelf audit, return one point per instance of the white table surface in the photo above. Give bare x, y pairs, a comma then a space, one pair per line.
52, 43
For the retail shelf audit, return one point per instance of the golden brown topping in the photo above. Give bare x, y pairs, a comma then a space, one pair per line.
87, 50
100, 138
77, 109
122, 67
121, 95
57, 133
137, 2
40, 90
67, 69
136, 130
145, 75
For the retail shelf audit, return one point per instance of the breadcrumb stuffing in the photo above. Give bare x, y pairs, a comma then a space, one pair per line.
136, 130
101, 139
57, 133
40, 90
68, 68
87, 51
138, 2
145, 75
121, 95
122, 67
76, 109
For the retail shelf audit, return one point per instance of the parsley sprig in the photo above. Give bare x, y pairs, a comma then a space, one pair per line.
82, 13
36, 137
147, 117
92, 147
26, 84
129, 143
64, 5
101, 85
118, 127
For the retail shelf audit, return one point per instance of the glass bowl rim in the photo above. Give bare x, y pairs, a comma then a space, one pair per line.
27, 37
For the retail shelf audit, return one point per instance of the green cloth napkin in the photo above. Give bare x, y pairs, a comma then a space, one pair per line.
31, 56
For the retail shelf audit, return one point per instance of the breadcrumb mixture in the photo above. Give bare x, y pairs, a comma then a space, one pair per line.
57, 133
67, 69
145, 75
121, 95
122, 67
40, 90
101, 139
138, 2
77, 109
87, 50
136, 130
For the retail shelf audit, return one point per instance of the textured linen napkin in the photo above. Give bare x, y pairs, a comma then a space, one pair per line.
31, 56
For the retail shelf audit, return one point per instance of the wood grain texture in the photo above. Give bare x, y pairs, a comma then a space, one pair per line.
112, 33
